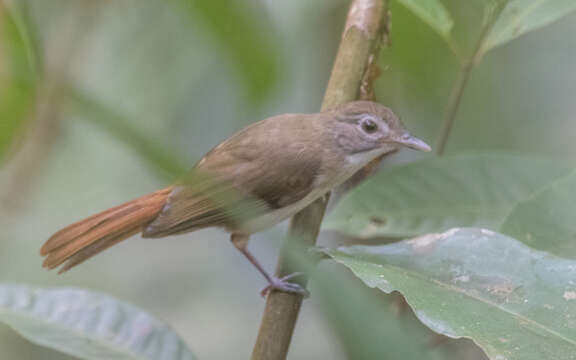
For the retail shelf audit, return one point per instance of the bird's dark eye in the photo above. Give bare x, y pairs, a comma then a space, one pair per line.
369, 126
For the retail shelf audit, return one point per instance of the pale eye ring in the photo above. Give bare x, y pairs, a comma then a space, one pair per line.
369, 126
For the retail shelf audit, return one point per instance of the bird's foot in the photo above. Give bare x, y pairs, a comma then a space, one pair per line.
282, 284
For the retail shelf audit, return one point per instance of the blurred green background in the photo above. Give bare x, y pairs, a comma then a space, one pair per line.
101, 102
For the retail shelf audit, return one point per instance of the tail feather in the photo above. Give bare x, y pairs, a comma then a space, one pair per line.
80, 241
95, 248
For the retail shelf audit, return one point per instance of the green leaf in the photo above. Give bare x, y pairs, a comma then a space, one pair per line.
17, 76
244, 35
432, 12
88, 325
521, 16
436, 194
547, 220
514, 302
367, 323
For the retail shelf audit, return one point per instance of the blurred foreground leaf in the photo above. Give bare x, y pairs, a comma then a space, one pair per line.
547, 221
88, 325
433, 13
17, 75
436, 194
521, 16
514, 302
244, 37
165, 162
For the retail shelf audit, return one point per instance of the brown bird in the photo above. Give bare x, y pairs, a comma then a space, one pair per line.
257, 178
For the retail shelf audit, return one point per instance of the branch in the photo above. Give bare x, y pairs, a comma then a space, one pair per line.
359, 47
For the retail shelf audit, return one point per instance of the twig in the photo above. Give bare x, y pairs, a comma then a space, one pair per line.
454, 105
464, 76
361, 40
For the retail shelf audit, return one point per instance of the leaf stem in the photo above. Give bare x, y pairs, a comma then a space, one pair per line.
361, 40
464, 75
454, 105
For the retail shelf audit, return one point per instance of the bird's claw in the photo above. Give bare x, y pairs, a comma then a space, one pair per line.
282, 284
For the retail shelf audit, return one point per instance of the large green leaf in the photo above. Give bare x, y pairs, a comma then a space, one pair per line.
433, 13
371, 325
17, 75
436, 194
521, 16
547, 221
88, 325
514, 302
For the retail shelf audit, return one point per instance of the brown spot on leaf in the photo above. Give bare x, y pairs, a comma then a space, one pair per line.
378, 220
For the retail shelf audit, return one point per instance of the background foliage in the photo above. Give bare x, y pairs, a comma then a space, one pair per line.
103, 101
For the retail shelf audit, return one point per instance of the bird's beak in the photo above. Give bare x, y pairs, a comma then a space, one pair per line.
413, 143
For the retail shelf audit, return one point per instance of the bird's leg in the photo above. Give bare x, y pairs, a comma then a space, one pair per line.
240, 241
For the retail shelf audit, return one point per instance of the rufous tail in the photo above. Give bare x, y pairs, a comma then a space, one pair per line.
80, 241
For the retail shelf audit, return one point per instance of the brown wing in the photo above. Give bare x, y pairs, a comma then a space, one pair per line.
241, 178
192, 206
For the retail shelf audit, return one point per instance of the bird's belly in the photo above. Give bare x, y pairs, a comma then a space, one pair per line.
271, 218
